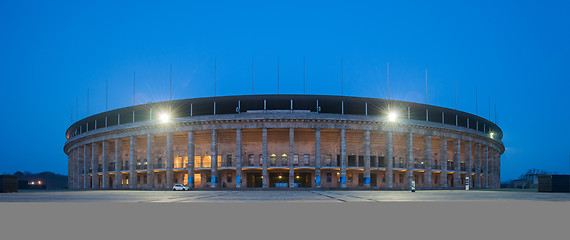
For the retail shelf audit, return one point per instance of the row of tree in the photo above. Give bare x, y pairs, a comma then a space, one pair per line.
529, 179
50, 179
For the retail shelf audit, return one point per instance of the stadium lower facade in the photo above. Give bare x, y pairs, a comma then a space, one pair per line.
284, 141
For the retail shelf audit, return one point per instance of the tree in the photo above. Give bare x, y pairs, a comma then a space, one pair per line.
531, 173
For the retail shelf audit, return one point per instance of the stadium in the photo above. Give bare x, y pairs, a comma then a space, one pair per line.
284, 141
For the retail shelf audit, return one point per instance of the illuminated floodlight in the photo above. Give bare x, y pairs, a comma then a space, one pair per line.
164, 117
492, 133
392, 116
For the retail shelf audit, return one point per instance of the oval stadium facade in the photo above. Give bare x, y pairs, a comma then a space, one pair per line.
284, 141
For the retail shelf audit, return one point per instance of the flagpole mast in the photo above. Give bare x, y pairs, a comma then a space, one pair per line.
251, 75
87, 102
170, 85
388, 78
277, 75
215, 68
134, 79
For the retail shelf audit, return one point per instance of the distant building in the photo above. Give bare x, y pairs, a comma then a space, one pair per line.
8, 183
271, 141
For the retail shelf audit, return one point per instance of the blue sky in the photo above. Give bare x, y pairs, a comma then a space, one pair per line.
516, 52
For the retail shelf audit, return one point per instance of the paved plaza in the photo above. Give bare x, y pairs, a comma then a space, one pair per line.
279, 195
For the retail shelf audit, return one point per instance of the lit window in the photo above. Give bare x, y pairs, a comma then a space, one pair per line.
197, 161
206, 161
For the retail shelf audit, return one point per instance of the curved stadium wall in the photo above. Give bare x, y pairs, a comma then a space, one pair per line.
274, 141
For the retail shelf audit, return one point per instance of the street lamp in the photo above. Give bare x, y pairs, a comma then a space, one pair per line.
392, 116
164, 117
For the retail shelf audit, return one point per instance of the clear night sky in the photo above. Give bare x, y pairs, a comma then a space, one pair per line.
516, 52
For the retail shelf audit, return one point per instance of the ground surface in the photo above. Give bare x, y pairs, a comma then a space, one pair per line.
280, 195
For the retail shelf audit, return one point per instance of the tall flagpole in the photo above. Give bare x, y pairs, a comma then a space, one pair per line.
134, 79
388, 77
170, 85
87, 102
252, 75
426, 88
106, 93
215, 68
77, 108
341, 77
303, 74
277, 75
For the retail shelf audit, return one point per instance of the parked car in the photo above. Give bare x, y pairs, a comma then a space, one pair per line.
180, 187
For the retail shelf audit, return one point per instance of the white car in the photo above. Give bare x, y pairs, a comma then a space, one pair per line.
180, 187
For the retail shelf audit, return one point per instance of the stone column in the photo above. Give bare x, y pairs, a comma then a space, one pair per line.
427, 161
150, 161
78, 168
410, 156
239, 158
94, 165
86, 164
105, 163
367, 158
191, 153
389, 156
486, 175
478, 165
265, 175
457, 162
318, 157
69, 170
133, 162
497, 169
169, 160
469, 163
343, 158
291, 157
118, 162
443, 161
492, 168
214, 179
